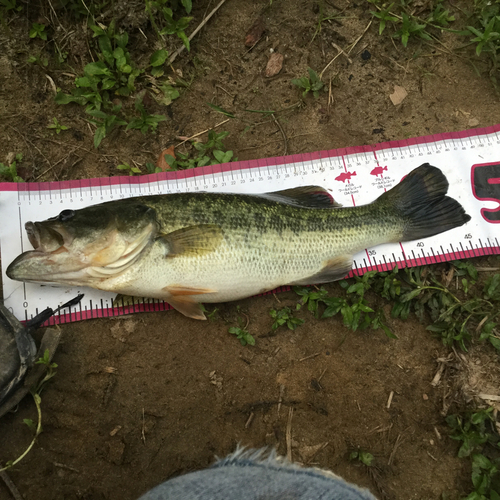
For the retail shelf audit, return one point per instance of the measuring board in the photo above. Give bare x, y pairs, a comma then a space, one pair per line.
355, 176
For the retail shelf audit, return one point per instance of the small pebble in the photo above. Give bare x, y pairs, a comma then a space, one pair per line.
425, 397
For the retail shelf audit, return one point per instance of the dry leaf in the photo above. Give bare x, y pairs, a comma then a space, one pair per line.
274, 64
161, 162
399, 95
254, 34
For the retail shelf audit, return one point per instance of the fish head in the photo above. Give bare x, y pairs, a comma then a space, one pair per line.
80, 247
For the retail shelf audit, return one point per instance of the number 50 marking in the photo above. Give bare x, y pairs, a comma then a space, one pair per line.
485, 181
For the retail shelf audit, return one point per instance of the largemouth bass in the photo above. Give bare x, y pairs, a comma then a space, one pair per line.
192, 248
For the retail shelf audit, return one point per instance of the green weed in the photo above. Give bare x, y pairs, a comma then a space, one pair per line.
211, 152
114, 74
9, 171
364, 457
479, 441
309, 84
354, 308
161, 15
456, 318
56, 126
284, 316
152, 168
38, 31
242, 335
146, 121
40, 60
105, 122
129, 169
211, 315
7, 7
406, 25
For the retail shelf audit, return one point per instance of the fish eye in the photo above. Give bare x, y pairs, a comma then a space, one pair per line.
66, 215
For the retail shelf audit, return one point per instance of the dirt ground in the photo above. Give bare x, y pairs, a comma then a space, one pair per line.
141, 399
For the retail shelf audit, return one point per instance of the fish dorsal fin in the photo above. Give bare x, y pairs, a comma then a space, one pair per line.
333, 270
193, 240
304, 196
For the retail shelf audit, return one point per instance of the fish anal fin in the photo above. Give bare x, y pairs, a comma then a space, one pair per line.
187, 306
333, 270
304, 196
193, 240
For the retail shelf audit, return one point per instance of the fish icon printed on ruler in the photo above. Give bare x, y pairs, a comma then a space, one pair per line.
382, 180
345, 176
378, 171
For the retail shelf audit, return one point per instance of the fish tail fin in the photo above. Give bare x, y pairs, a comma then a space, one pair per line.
420, 198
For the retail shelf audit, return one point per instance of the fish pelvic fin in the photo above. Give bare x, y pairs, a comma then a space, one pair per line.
420, 199
193, 240
333, 270
180, 298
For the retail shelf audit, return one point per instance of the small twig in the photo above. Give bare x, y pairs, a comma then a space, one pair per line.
173, 57
282, 133
433, 458
56, 163
360, 37
52, 84
64, 466
438, 434
249, 421
201, 133
309, 357
10, 485
143, 433
268, 144
224, 90
490, 397
247, 318
330, 100
289, 435
341, 50
398, 442
321, 376
389, 401
439, 374
280, 400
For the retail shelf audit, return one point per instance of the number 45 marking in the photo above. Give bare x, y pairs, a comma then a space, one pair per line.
485, 181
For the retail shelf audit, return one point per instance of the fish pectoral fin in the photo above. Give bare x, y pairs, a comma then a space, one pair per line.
187, 306
304, 196
193, 240
186, 290
333, 270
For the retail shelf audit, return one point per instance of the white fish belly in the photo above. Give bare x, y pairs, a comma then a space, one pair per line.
240, 267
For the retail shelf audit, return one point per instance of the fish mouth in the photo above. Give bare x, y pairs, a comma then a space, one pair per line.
40, 265
44, 238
